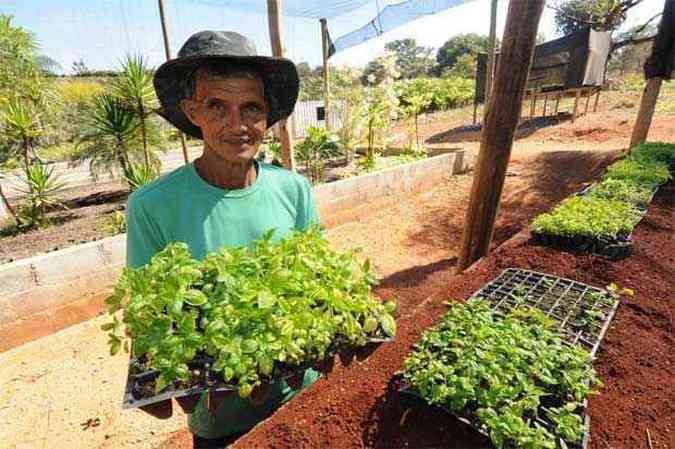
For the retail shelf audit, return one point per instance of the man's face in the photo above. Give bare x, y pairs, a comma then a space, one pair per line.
231, 113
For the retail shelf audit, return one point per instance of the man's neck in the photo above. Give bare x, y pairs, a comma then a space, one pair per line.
224, 174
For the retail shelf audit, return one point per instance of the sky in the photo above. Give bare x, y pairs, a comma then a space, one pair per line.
100, 32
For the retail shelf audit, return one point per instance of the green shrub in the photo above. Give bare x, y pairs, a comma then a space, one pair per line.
654, 151
503, 372
445, 93
622, 190
113, 224
642, 171
41, 190
588, 216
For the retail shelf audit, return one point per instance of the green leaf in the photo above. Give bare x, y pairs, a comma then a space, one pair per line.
388, 325
195, 297
266, 300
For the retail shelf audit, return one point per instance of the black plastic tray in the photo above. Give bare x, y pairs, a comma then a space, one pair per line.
210, 381
564, 300
406, 391
611, 248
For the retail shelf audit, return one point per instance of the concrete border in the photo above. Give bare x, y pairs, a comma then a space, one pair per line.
43, 294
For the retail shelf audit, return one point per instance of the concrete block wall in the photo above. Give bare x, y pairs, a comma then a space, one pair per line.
43, 294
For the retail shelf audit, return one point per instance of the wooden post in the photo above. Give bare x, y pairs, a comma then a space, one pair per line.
274, 22
644, 119
326, 74
496, 140
557, 103
597, 98
167, 51
492, 38
577, 93
589, 92
533, 105
545, 103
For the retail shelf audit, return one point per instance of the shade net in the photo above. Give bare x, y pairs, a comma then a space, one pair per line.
312, 9
390, 17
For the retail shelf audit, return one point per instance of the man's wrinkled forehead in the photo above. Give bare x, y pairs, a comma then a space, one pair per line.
236, 82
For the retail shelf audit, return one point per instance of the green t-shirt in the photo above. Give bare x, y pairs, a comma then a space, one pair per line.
182, 207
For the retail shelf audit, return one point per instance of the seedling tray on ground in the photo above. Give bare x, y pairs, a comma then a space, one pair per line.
139, 393
474, 424
583, 312
615, 248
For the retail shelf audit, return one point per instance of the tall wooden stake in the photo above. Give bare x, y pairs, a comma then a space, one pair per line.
167, 51
326, 73
646, 112
504, 109
491, 54
274, 22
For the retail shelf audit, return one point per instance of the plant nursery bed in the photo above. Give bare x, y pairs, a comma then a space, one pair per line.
359, 405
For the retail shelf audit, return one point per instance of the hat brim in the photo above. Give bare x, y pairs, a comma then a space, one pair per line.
279, 76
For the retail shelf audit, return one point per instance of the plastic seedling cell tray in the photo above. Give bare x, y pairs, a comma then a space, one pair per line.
139, 391
583, 312
475, 425
615, 248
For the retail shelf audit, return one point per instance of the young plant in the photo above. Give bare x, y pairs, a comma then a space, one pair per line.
114, 223
621, 190
253, 310
41, 190
315, 151
588, 216
506, 373
646, 172
138, 175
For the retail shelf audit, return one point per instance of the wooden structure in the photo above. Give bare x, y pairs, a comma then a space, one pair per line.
553, 98
274, 22
326, 74
167, 51
501, 120
659, 66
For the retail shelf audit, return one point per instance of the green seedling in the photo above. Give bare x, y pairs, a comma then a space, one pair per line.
250, 309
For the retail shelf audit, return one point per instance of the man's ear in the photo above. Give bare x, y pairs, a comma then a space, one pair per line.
189, 108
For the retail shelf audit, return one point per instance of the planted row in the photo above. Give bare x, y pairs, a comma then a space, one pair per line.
510, 375
609, 210
249, 310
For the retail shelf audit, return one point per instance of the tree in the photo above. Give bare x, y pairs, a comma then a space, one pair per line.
464, 67
631, 58
411, 60
134, 87
48, 65
602, 15
459, 45
112, 132
79, 68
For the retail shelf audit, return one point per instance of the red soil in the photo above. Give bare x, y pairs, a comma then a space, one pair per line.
356, 406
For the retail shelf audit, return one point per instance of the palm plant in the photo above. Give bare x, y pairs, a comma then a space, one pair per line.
41, 190
20, 127
139, 175
111, 132
134, 87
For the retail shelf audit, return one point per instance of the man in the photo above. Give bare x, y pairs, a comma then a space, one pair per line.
220, 91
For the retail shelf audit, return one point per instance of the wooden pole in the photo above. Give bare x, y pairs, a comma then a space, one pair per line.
577, 93
533, 105
491, 54
557, 103
326, 74
597, 98
520, 34
167, 51
589, 92
545, 103
274, 22
644, 119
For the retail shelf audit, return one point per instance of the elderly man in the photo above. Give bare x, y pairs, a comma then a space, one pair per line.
220, 91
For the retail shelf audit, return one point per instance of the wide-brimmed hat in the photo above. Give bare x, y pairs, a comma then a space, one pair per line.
279, 75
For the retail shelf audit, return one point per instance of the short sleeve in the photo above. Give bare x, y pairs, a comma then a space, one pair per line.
143, 237
307, 213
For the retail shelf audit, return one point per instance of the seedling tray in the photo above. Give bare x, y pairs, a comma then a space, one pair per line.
473, 423
583, 312
612, 248
206, 379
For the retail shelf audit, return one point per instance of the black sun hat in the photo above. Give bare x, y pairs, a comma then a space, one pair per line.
279, 75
